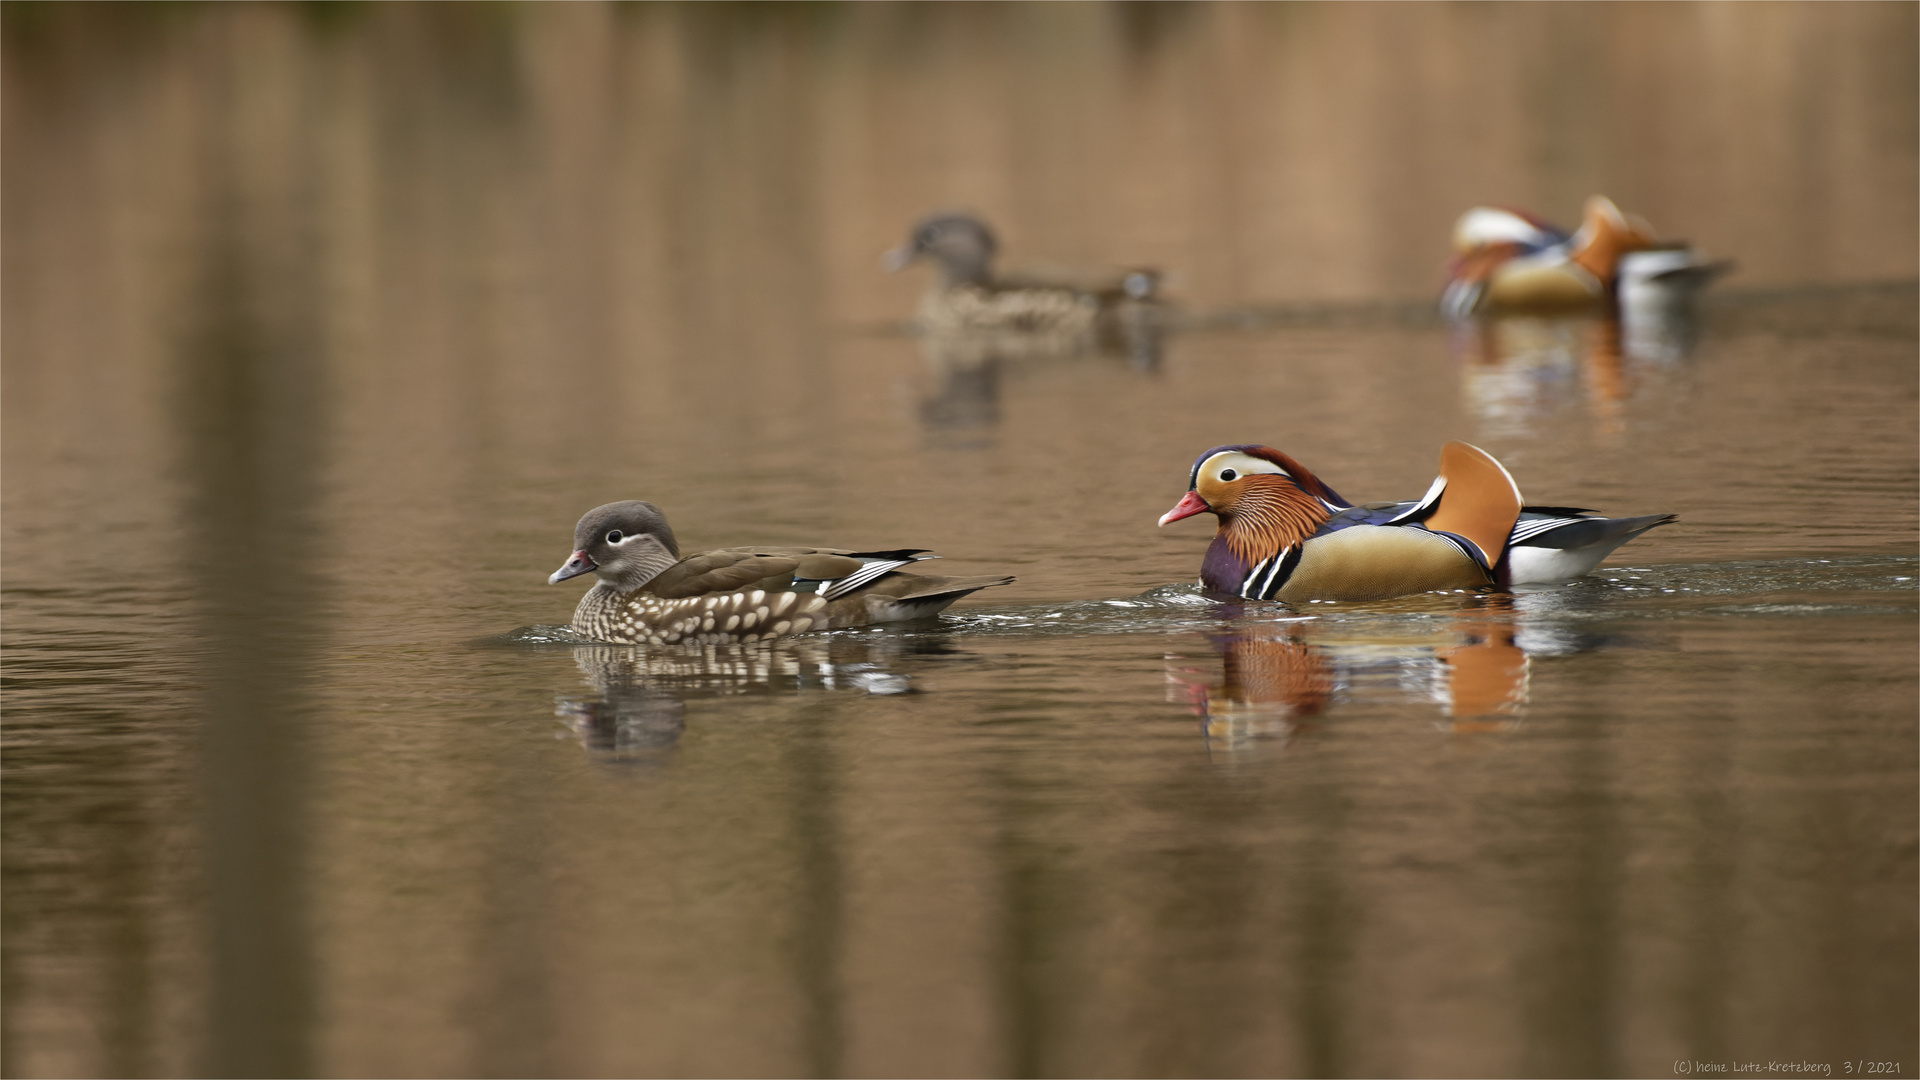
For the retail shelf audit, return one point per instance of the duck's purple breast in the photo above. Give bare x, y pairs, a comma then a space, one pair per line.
1222, 571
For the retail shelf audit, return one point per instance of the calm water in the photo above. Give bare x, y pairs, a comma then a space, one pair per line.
321, 328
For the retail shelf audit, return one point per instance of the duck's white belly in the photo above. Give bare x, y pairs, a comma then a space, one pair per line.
1535, 565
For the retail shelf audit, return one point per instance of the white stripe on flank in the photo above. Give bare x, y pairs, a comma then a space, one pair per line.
1247, 588
1266, 586
1259, 582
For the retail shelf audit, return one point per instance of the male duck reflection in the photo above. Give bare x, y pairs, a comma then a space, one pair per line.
1513, 260
1284, 535
1069, 308
648, 594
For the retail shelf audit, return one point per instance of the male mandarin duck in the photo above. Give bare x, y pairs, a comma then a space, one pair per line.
1512, 259
648, 594
1284, 535
1073, 308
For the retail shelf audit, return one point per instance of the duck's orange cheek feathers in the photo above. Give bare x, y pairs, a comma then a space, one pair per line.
1189, 505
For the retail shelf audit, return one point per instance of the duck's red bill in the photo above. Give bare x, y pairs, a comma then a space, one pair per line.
1189, 505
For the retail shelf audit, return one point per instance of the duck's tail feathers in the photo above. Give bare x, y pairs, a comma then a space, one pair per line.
903, 597
921, 587
1572, 548
1588, 531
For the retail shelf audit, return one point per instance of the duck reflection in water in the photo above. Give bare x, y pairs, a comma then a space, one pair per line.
1657, 298
1272, 684
966, 393
1276, 680
967, 369
1519, 373
637, 707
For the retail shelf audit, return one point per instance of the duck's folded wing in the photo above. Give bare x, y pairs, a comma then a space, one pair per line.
925, 586
899, 597
1554, 531
832, 572
721, 571
840, 575
1095, 280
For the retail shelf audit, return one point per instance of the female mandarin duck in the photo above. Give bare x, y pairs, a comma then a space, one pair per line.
648, 594
1512, 259
1284, 535
1079, 308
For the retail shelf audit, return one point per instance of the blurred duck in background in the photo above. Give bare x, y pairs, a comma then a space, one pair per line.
1039, 311
1511, 260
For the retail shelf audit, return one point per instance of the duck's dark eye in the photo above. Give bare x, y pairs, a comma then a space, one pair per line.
1228, 474
614, 537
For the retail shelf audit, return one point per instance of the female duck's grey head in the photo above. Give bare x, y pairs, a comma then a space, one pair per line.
961, 243
626, 543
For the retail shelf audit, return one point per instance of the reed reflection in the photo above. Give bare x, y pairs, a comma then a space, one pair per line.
1268, 682
253, 408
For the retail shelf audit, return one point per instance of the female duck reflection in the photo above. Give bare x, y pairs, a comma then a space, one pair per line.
637, 707
966, 369
1275, 679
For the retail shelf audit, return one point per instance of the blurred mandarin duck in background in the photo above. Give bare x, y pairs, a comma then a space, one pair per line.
1284, 535
1066, 308
1510, 259
649, 594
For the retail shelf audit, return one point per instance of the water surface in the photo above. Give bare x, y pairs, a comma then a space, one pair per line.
320, 333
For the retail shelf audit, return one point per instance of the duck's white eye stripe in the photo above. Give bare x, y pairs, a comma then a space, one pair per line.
1230, 465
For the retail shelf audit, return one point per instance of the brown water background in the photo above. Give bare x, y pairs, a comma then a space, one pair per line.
321, 324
